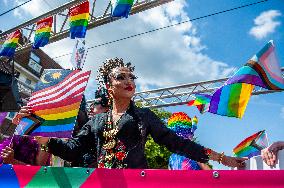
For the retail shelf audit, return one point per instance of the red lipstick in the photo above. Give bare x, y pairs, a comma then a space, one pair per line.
129, 88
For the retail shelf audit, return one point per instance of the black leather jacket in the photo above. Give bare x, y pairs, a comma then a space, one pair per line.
134, 127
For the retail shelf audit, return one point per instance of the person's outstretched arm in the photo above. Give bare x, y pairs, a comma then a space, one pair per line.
72, 148
176, 144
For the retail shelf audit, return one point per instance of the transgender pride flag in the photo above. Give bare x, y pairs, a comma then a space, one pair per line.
262, 70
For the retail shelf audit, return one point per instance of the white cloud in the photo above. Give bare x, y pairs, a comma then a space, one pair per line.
282, 112
34, 8
265, 24
164, 58
5, 2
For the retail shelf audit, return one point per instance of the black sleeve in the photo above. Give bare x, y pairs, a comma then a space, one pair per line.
72, 148
176, 144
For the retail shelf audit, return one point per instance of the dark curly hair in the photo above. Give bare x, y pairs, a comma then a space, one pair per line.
101, 97
104, 71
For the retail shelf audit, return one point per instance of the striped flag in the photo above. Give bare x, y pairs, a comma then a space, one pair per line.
42, 33
121, 8
79, 18
57, 99
231, 100
201, 101
262, 70
252, 145
8, 48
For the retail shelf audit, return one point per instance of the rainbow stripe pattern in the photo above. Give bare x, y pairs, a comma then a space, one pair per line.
201, 101
181, 124
42, 33
8, 48
262, 70
79, 18
231, 100
252, 145
56, 99
178, 162
121, 8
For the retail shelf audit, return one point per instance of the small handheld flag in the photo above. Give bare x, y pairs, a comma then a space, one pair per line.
252, 145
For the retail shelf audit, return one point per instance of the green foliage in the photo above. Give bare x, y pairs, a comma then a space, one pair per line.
157, 156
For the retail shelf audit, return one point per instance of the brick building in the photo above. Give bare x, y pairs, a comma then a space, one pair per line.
29, 66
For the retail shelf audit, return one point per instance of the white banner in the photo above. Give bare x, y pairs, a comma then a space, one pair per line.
79, 54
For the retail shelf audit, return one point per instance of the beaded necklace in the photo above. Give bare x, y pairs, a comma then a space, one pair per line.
115, 151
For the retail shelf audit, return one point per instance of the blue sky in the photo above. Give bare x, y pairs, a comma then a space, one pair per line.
205, 49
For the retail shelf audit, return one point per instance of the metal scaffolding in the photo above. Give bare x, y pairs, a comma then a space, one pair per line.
179, 95
60, 29
170, 96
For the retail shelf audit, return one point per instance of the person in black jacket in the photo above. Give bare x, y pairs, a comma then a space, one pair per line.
117, 138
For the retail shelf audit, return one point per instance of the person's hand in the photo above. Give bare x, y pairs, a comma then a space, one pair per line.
234, 161
269, 154
24, 112
8, 155
269, 157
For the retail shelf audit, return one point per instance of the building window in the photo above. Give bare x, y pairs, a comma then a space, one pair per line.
28, 81
34, 64
35, 58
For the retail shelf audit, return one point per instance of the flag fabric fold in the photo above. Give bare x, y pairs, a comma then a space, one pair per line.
121, 8
79, 18
252, 145
231, 100
262, 70
56, 99
42, 33
201, 101
8, 48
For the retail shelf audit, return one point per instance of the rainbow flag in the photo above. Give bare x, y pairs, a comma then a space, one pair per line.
262, 70
121, 8
56, 99
79, 17
8, 48
231, 100
252, 145
42, 33
201, 101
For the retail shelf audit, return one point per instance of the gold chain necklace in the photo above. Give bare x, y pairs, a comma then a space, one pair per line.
110, 132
